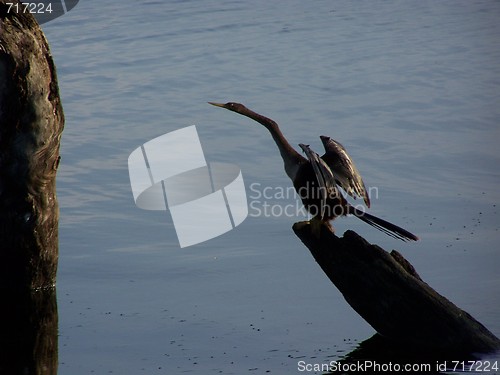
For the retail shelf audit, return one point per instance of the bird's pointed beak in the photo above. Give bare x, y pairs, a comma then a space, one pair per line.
217, 104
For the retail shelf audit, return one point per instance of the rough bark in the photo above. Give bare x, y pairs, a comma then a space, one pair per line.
387, 292
31, 122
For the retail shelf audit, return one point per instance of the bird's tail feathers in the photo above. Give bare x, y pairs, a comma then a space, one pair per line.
388, 228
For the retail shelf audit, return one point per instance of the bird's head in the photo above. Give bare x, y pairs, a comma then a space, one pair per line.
242, 110
235, 107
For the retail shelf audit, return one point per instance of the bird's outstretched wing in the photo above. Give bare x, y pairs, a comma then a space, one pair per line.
324, 175
344, 169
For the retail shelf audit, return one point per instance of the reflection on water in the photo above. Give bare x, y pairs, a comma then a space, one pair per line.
29, 332
377, 354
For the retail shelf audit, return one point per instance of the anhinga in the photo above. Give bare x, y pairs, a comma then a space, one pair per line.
316, 178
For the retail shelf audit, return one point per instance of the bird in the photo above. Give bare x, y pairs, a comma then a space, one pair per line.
319, 180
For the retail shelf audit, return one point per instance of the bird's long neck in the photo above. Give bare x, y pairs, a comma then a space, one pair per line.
291, 158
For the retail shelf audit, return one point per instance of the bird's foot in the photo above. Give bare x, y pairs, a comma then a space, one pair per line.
301, 224
317, 223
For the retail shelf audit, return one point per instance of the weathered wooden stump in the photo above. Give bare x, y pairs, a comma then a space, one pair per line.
29, 326
387, 292
31, 122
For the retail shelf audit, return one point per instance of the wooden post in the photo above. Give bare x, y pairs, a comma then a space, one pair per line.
29, 335
31, 122
387, 292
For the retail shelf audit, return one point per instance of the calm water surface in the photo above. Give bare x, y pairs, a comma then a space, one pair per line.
412, 89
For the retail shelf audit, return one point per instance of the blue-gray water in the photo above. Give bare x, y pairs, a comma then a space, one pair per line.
412, 89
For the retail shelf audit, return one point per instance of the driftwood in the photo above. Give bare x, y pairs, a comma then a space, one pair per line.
31, 122
385, 290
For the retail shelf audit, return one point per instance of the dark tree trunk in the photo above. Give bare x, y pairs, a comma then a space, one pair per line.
28, 326
31, 122
387, 292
